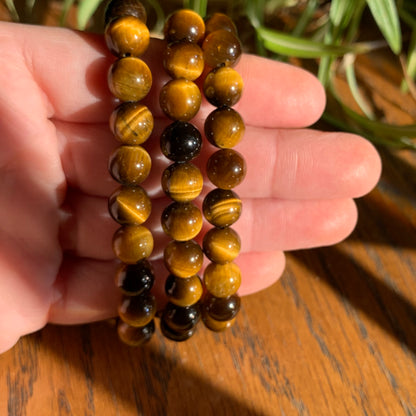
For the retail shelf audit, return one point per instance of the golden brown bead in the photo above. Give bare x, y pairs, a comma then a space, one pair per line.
180, 99
221, 309
184, 60
182, 221
222, 280
222, 208
132, 243
130, 205
129, 79
135, 336
221, 48
226, 168
118, 8
177, 336
215, 325
223, 86
183, 291
183, 258
224, 127
137, 310
181, 318
219, 21
184, 25
182, 182
221, 245
127, 36
134, 279
130, 165
131, 123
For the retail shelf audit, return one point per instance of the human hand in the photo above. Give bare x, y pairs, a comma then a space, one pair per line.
56, 260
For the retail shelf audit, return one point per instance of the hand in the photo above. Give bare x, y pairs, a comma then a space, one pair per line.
56, 260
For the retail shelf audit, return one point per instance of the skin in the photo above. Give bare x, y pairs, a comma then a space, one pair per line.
56, 260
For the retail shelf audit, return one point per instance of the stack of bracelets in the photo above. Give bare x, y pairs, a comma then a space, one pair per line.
192, 46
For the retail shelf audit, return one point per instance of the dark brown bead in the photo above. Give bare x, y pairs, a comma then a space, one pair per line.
219, 21
137, 310
183, 291
182, 182
224, 127
182, 221
135, 336
180, 99
132, 123
222, 208
184, 60
184, 25
215, 325
221, 48
127, 36
118, 8
223, 86
130, 165
129, 79
179, 318
132, 243
130, 205
226, 168
222, 309
183, 258
134, 279
222, 280
177, 336
221, 245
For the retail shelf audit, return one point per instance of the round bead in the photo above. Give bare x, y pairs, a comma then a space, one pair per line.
129, 79
184, 25
184, 60
183, 291
130, 205
182, 182
215, 325
183, 258
127, 36
135, 336
118, 8
219, 21
221, 245
180, 99
177, 336
131, 123
134, 279
221, 48
222, 309
226, 168
182, 221
132, 243
179, 318
137, 310
181, 142
223, 86
130, 165
224, 127
222, 208
222, 280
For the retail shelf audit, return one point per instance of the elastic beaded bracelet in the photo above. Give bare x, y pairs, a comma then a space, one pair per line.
130, 80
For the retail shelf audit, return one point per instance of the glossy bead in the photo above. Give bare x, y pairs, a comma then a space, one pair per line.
222, 309
181, 318
129, 79
118, 8
221, 48
183, 258
184, 60
127, 36
181, 142
177, 336
184, 25
222, 208
134, 279
223, 86
222, 280
182, 182
183, 291
131, 123
137, 310
130, 205
132, 243
130, 165
182, 221
226, 168
135, 336
215, 325
180, 99
219, 21
221, 245
224, 127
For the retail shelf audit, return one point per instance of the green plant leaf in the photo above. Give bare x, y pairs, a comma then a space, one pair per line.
341, 12
86, 9
65, 9
199, 6
387, 18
